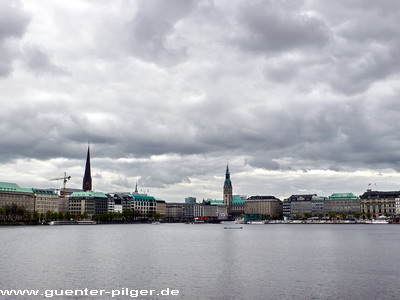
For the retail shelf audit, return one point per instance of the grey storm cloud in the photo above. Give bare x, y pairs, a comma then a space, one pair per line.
13, 24
309, 42
167, 91
151, 26
274, 28
40, 62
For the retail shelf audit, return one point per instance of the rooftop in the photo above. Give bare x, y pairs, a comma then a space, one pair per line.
237, 200
88, 194
338, 196
143, 197
260, 198
13, 187
378, 194
215, 202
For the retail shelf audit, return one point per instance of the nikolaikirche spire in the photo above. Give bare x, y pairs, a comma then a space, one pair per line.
87, 177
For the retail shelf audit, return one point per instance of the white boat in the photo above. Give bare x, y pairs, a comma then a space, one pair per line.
256, 222
374, 221
379, 221
83, 222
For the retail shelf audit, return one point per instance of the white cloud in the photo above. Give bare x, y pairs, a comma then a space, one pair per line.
293, 93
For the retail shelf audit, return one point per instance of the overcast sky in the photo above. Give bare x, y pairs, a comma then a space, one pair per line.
299, 96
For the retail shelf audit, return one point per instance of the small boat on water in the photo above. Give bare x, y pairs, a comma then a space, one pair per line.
256, 222
379, 221
83, 222
374, 221
233, 227
155, 223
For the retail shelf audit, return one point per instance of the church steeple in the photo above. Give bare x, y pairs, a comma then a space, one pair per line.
87, 177
227, 188
228, 182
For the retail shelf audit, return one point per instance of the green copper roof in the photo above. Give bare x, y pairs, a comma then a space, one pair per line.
143, 198
227, 183
13, 187
88, 194
215, 202
43, 191
236, 199
337, 196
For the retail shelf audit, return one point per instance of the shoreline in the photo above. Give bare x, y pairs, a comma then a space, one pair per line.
367, 222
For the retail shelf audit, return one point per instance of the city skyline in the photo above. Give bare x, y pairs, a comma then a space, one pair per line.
299, 96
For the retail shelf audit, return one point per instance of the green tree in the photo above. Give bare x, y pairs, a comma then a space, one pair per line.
298, 216
67, 216
265, 217
307, 215
276, 217
332, 215
48, 216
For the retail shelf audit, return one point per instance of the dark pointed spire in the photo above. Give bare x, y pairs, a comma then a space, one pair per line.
227, 177
136, 191
87, 177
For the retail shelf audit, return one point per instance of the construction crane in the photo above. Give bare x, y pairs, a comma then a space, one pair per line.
64, 179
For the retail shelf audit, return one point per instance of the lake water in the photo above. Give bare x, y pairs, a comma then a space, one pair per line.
205, 261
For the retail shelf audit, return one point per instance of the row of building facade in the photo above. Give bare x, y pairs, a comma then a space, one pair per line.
372, 203
85, 201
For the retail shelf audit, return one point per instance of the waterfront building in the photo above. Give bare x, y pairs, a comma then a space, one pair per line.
174, 211
143, 205
32, 199
46, 200
216, 211
263, 205
397, 203
234, 203
161, 208
190, 200
218, 207
227, 190
91, 203
192, 210
237, 205
317, 205
209, 208
119, 202
298, 205
11, 193
379, 203
286, 207
111, 203
339, 203
68, 193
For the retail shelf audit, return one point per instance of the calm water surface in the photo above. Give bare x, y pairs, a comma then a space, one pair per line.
205, 261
